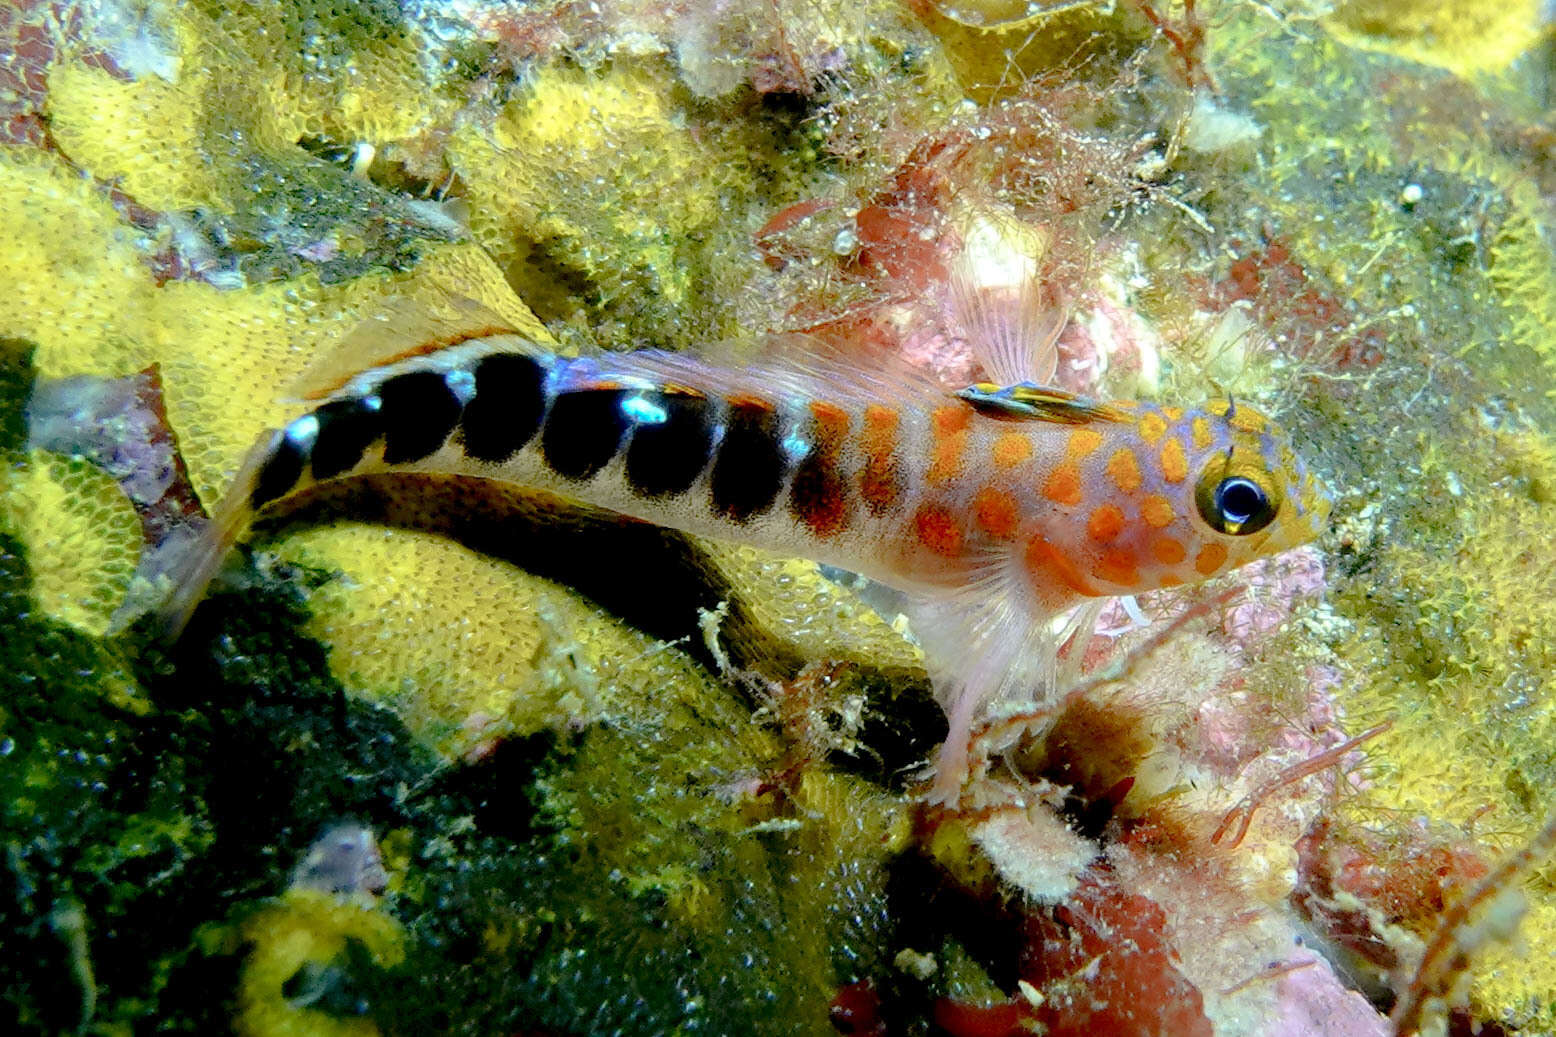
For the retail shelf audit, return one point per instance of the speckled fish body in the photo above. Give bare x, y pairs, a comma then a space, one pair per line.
1090, 500
994, 508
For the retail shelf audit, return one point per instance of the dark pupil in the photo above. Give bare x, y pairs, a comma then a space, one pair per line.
1239, 500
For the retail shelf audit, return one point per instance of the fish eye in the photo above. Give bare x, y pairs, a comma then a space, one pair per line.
1236, 505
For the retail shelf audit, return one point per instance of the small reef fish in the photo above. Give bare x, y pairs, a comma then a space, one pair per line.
997, 509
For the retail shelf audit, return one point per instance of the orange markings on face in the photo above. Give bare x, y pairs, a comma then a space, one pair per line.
1248, 420
1106, 523
1118, 567
1168, 551
878, 481
1045, 561
1156, 510
1082, 442
1174, 414
1175, 464
1202, 435
997, 513
937, 529
948, 424
1210, 558
1063, 485
1124, 470
1152, 427
1011, 449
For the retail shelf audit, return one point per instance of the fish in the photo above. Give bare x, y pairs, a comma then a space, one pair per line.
996, 509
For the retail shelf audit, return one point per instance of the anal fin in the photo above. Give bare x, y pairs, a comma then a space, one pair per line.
987, 641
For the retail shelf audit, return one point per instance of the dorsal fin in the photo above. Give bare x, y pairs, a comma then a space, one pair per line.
1027, 402
402, 327
1010, 319
785, 364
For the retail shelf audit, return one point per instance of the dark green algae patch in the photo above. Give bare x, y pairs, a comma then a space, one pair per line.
139, 846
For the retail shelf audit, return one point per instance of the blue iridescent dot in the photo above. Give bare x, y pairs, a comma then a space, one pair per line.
302, 432
644, 411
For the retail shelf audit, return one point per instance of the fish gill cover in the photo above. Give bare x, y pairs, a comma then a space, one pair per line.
439, 757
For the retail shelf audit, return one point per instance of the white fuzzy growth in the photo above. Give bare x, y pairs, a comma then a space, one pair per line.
1213, 129
1036, 852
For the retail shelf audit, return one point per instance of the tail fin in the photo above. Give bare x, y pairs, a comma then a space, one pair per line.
191, 573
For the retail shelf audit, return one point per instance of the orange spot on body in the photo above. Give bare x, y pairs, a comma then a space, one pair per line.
1045, 562
747, 402
1168, 551
1174, 414
1011, 449
997, 513
1156, 510
1082, 442
831, 422
1210, 558
948, 429
1063, 485
1202, 434
946, 458
1152, 427
879, 483
1117, 566
1175, 464
1124, 470
938, 530
949, 418
1106, 523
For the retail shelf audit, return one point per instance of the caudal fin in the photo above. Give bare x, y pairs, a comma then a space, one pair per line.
192, 571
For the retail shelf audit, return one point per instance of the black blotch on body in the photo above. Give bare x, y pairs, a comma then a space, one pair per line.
506, 411
583, 431
819, 495
346, 429
419, 412
749, 470
666, 458
278, 474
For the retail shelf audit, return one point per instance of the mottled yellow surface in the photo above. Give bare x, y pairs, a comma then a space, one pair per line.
72, 272
82, 537
250, 83
656, 183
467, 650
227, 356
789, 601
303, 927
1464, 36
